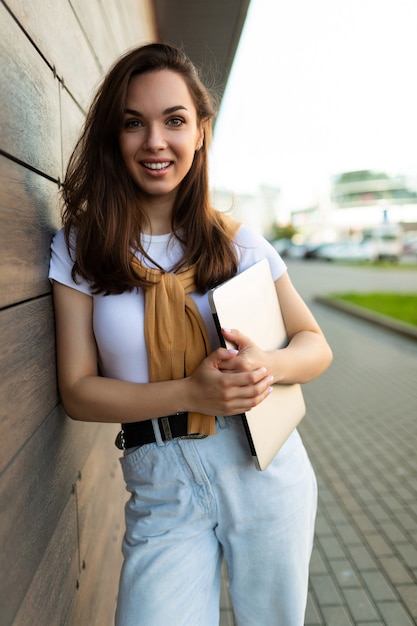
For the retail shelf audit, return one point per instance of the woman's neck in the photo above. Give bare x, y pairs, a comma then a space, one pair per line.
159, 213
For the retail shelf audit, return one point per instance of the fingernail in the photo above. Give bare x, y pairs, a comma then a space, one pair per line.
271, 379
233, 351
228, 330
270, 390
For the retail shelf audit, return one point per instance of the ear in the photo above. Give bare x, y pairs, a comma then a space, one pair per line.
200, 140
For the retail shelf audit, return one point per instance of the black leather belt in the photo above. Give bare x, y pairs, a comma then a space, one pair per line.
140, 433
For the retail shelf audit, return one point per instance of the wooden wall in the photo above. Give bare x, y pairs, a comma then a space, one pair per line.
61, 489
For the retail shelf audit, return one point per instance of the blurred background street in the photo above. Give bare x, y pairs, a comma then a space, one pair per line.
361, 434
314, 145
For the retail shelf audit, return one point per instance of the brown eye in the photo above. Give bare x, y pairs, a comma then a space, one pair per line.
132, 124
175, 121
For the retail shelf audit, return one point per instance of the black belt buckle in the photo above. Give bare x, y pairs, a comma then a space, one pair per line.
140, 436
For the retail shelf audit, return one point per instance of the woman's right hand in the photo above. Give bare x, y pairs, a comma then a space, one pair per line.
214, 391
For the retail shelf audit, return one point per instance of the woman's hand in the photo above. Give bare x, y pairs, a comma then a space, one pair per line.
305, 357
226, 384
250, 357
87, 396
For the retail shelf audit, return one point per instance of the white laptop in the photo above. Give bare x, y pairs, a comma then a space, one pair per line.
249, 303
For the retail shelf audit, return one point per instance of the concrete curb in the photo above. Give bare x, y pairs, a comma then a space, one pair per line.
369, 316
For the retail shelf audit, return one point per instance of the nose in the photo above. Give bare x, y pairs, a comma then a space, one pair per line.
154, 139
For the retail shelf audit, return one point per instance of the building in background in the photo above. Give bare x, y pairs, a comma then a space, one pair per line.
351, 205
260, 211
364, 199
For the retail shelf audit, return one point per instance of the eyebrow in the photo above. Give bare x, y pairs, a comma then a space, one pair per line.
178, 107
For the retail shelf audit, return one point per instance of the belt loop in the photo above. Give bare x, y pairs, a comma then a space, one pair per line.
158, 438
221, 420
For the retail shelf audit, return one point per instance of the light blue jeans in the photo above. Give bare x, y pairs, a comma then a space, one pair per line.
193, 501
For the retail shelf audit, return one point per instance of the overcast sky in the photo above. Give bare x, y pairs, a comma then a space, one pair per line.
319, 87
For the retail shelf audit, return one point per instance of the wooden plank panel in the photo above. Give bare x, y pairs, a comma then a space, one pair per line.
54, 29
130, 22
95, 601
142, 27
101, 39
101, 476
27, 373
101, 496
28, 219
53, 587
34, 490
72, 119
29, 121
112, 12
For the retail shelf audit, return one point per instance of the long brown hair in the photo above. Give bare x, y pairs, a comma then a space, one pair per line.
99, 194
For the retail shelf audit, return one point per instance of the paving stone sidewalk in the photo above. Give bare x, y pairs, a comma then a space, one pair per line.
361, 435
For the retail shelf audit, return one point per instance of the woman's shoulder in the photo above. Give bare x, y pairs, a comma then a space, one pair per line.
246, 235
59, 242
62, 262
59, 238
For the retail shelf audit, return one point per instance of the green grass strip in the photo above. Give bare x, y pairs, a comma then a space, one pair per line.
380, 265
400, 306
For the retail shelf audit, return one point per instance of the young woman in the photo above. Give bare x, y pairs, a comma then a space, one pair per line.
140, 248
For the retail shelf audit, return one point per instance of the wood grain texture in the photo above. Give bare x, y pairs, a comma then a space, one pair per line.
131, 26
54, 29
54, 584
101, 40
100, 479
61, 489
29, 218
29, 121
95, 601
34, 491
28, 387
81, 565
101, 495
72, 119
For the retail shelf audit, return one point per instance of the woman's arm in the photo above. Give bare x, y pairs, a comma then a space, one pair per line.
89, 397
307, 354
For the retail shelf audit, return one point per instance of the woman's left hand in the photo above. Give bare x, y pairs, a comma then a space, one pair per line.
249, 358
305, 357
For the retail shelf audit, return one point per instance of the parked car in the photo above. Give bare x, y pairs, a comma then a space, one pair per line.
387, 240
281, 245
296, 251
410, 245
345, 251
287, 248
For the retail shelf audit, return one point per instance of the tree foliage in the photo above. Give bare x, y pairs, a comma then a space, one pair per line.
283, 232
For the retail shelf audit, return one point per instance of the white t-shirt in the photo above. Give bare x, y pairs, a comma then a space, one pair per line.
118, 320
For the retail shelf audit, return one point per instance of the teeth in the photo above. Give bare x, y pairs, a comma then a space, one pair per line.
157, 166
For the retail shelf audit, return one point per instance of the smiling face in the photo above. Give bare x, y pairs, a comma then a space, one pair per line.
160, 133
